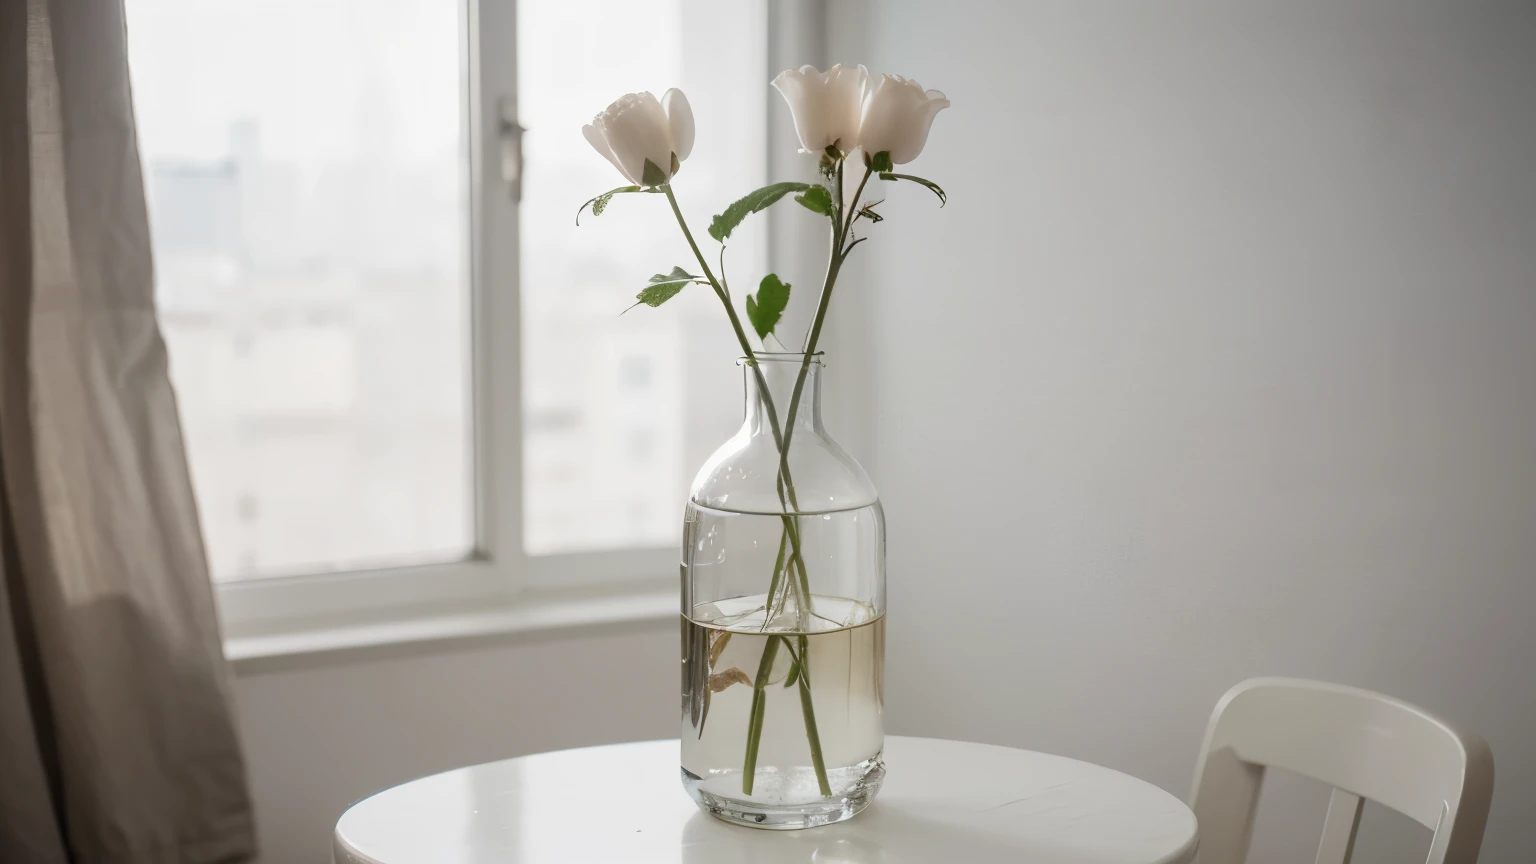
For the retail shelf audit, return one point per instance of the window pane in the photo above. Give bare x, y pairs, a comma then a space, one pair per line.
620, 411
305, 165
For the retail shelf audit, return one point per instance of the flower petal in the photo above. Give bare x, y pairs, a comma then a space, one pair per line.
792, 85
679, 121
599, 143
844, 105
920, 132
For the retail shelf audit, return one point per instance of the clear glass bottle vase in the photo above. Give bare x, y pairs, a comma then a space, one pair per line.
783, 615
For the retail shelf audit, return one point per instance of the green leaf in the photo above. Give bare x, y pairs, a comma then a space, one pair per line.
652, 175
723, 224
817, 200
767, 308
664, 287
881, 161
600, 203
932, 186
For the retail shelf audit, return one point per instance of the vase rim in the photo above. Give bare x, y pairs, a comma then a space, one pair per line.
782, 357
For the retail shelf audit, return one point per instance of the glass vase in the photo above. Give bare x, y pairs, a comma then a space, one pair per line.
783, 615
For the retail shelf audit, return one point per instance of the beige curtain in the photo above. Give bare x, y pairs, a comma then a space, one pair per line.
117, 738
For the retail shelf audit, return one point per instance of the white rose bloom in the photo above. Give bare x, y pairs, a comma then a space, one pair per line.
637, 127
825, 105
896, 117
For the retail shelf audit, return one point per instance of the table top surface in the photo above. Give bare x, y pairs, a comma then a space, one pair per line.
942, 801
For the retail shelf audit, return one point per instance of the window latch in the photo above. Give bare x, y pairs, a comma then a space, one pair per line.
511, 134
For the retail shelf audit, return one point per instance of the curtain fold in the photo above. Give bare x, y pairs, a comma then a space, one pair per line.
117, 730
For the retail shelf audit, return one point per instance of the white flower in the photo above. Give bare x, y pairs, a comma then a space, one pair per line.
897, 116
825, 105
637, 128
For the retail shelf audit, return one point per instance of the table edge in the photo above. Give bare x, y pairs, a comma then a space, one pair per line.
344, 853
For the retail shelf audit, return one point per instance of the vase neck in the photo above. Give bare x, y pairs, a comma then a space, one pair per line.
770, 381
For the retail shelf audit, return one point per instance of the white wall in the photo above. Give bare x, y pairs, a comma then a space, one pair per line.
318, 739
1219, 363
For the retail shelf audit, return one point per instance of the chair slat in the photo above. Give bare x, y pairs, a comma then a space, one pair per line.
1339, 828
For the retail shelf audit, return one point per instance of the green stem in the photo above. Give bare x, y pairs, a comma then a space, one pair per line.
785, 485
840, 230
834, 267
857, 194
789, 584
755, 719
802, 589
799, 673
792, 530
741, 338
786, 488
730, 311
809, 712
786, 491
773, 585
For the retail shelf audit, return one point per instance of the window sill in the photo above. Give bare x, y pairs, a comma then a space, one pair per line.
506, 621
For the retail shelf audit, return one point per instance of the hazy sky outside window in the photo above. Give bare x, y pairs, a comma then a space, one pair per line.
620, 411
306, 167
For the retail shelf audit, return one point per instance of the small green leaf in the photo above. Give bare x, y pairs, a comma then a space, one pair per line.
664, 287
659, 293
652, 175
881, 161
817, 200
753, 202
600, 203
932, 186
831, 151
765, 310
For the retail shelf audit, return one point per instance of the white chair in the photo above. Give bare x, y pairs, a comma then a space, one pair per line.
1364, 744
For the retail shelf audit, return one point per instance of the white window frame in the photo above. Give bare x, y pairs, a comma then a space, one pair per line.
497, 571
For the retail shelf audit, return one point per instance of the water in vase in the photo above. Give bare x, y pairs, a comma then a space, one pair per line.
755, 669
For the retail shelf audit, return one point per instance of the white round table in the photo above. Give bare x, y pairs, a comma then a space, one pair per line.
943, 801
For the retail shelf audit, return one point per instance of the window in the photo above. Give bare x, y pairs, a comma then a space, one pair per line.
642, 406
307, 197
401, 368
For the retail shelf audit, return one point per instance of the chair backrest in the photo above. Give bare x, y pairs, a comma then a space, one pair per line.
1363, 744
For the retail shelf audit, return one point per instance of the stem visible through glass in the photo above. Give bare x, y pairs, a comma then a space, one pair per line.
843, 217
842, 226
786, 491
